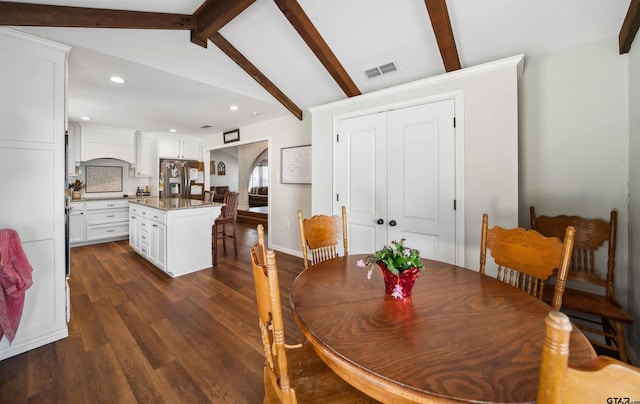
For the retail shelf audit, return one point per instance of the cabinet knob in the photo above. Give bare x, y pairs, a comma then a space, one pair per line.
392, 223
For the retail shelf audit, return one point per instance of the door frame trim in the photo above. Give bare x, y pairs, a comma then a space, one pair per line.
458, 98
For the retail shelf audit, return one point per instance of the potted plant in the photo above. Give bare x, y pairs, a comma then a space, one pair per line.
76, 186
400, 267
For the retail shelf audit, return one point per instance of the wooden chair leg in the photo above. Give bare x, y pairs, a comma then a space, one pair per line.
235, 243
622, 345
606, 327
224, 238
215, 243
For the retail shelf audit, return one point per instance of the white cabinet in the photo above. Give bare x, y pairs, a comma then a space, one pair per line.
106, 142
148, 234
134, 228
176, 241
145, 155
191, 148
77, 226
179, 147
158, 244
100, 221
32, 124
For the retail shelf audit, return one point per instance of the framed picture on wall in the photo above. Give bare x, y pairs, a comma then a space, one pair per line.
231, 136
296, 165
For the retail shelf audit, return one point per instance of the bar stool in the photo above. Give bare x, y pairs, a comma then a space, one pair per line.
228, 215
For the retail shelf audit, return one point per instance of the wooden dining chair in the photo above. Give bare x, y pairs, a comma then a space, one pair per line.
228, 216
292, 373
597, 311
598, 381
320, 235
526, 259
208, 196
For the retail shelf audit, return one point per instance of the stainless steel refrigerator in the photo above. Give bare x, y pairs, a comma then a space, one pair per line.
181, 179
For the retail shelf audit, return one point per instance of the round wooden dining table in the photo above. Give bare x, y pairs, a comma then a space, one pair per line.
462, 336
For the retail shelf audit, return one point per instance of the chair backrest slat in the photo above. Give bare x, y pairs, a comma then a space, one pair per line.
526, 258
591, 236
320, 235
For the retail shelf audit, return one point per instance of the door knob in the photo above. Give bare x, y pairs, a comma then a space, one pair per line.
392, 223
380, 221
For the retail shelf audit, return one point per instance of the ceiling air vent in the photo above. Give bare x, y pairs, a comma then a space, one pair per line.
380, 70
206, 126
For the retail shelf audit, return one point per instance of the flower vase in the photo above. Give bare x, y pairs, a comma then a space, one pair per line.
75, 195
399, 286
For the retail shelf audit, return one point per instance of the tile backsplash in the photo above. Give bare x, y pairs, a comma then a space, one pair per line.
129, 184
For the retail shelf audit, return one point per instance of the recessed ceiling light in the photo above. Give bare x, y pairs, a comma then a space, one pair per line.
85, 118
172, 130
233, 107
117, 79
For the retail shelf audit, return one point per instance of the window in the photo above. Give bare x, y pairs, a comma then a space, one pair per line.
260, 175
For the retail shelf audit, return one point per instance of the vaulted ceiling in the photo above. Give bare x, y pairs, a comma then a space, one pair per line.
185, 62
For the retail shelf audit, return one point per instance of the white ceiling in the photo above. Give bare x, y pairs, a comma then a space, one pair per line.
173, 83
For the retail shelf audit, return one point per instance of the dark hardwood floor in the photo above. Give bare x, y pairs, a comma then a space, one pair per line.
137, 335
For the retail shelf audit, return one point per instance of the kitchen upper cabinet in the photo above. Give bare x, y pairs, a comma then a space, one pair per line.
179, 147
145, 154
98, 142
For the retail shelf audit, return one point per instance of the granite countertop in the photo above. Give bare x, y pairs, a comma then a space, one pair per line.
173, 203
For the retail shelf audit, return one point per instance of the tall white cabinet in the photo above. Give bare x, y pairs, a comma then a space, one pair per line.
32, 127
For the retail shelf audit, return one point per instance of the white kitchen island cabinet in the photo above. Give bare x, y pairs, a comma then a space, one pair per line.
174, 234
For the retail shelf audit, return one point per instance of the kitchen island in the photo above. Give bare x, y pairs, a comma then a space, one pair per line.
174, 234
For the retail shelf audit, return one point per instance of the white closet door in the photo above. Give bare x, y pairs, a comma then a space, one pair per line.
421, 179
396, 175
362, 168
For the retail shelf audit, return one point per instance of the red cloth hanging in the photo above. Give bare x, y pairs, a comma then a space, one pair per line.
15, 279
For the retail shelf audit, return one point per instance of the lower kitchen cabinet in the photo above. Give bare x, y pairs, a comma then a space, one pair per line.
98, 221
176, 241
77, 226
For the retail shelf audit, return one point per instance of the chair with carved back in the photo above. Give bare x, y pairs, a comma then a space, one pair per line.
320, 235
292, 373
526, 259
208, 196
596, 311
597, 381
228, 216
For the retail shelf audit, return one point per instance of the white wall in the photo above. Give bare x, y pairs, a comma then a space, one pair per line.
633, 304
285, 199
230, 178
487, 117
574, 139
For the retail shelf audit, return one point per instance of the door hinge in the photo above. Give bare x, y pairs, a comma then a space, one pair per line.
454, 204
337, 197
337, 137
454, 121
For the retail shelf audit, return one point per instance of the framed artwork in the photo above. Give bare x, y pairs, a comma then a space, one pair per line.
212, 167
221, 168
296, 165
231, 136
